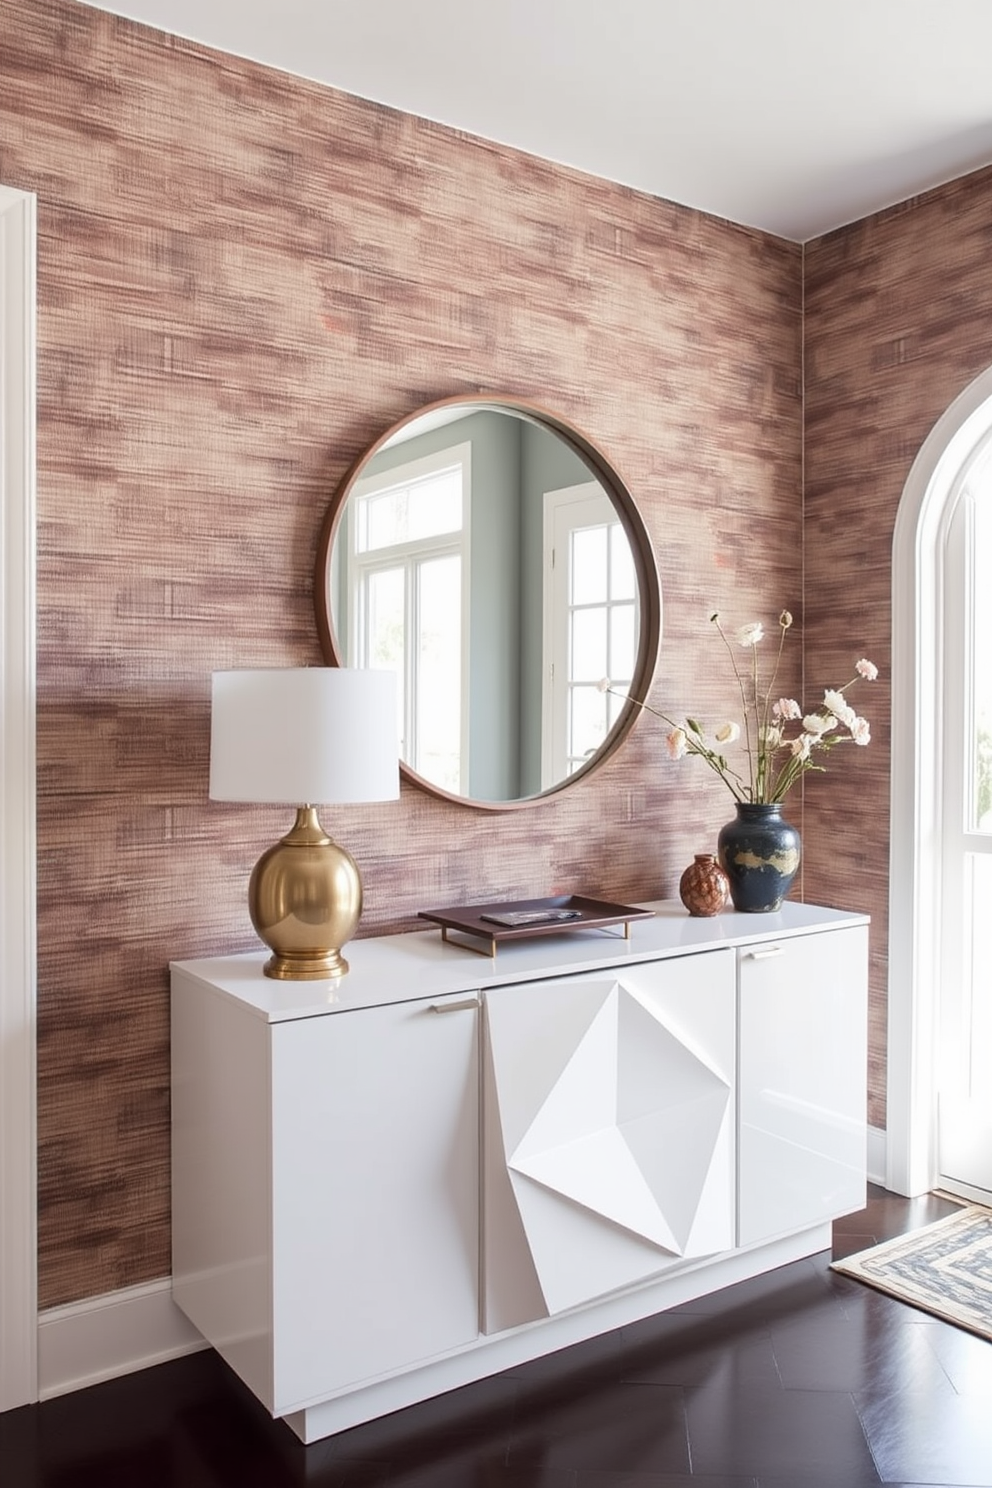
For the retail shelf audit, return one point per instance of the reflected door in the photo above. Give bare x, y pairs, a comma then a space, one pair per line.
965, 1068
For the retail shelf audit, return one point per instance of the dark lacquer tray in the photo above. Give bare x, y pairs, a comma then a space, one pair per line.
521, 919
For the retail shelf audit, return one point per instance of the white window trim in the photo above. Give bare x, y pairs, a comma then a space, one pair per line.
18, 891
916, 788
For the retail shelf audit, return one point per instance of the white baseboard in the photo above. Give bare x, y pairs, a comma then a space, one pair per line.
876, 1155
101, 1338
104, 1337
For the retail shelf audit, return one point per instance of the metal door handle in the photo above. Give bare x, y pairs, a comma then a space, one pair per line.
765, 955
455, 1007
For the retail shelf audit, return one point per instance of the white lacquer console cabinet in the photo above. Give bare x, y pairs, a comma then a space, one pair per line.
446, 1164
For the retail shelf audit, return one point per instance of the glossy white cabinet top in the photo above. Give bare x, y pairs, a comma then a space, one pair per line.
399, 968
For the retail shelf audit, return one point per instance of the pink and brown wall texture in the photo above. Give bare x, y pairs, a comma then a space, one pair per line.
898, 321
243, 279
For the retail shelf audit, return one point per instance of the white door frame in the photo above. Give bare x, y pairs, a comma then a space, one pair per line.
18, 900
914, 858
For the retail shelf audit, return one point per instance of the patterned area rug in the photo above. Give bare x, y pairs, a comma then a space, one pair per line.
945, 1268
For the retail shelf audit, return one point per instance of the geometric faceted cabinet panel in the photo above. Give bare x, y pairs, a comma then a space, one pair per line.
609, 1127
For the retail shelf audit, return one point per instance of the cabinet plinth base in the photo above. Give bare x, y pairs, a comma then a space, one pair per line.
384, 1396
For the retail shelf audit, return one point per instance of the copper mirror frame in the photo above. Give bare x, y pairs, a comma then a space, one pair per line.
449, 411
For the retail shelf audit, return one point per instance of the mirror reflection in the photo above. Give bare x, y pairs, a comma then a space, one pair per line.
483, 553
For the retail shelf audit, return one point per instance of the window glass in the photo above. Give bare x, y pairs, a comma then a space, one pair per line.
439, 706
385, 602
588, 711
623, 580
590, 565
411, 512
589, 645
623, 643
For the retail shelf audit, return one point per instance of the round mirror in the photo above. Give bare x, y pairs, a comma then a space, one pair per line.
489, 555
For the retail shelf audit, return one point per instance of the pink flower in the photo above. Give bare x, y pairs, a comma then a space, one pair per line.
787, 709
866, 669
676, 742
800, 748
860, 731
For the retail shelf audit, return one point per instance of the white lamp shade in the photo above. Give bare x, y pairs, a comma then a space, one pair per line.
307, 735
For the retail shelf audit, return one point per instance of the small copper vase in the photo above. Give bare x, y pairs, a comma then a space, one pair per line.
704, 888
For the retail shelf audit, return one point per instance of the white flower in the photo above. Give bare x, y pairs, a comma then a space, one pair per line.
818, 723
771, 736
603, 685
800, 747
728, 733
676, 743
860, 731
787, 709
750, 635
839, 706
866, 669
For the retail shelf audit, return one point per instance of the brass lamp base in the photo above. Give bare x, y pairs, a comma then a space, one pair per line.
305, 900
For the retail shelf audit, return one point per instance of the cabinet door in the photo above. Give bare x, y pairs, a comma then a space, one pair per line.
609, 1131
802, 1081
375, 1193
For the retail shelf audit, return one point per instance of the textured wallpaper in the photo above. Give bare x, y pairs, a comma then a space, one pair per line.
244, 279
898, 322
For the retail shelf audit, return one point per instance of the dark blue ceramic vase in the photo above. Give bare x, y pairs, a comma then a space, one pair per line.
759, 852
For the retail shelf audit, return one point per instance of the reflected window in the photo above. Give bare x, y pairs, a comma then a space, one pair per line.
407, 580
590, 623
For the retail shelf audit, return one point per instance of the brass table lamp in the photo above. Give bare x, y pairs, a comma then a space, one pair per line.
303, 736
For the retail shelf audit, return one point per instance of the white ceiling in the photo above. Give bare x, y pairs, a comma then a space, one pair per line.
791, 115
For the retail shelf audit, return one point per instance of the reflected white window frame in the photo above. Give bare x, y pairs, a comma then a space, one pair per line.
567, 510
411, 556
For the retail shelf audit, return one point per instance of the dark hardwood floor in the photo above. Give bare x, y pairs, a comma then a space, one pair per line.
798, 1379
